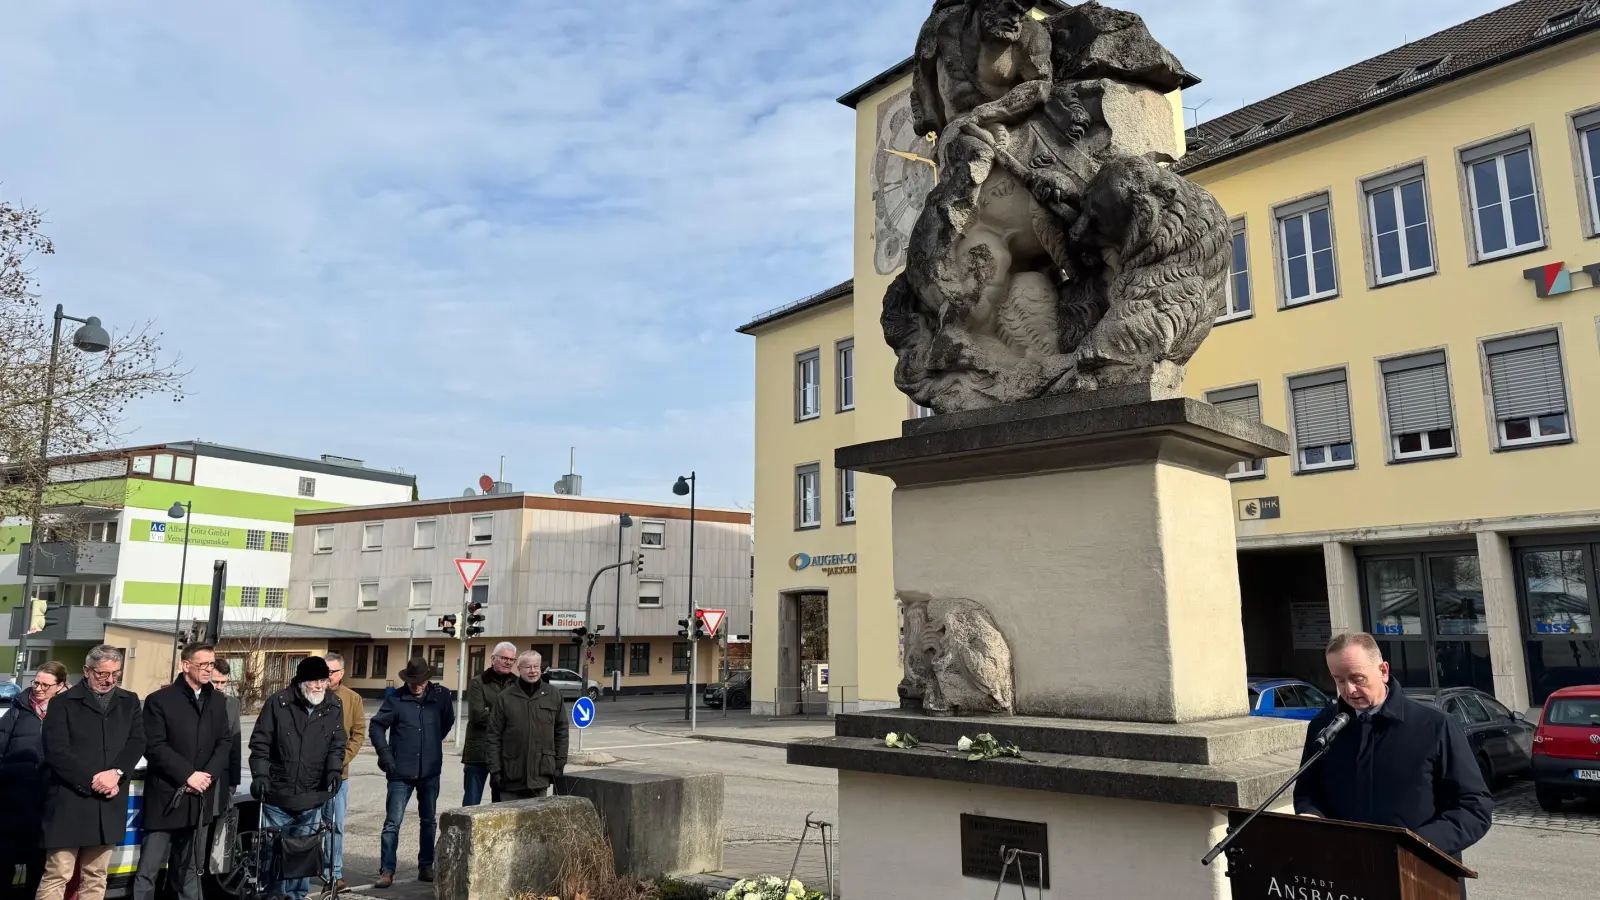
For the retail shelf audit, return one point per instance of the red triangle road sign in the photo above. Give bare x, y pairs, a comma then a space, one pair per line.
712, 617
469, 569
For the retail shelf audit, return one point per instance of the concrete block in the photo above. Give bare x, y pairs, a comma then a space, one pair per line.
659, 823
503, 850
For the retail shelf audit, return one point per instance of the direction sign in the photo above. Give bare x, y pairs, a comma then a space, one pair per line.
397, 629
712, 617
583, 712
469, 569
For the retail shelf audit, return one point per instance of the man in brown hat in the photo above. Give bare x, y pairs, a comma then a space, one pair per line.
408, 734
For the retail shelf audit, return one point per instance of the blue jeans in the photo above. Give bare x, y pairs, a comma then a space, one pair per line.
476, 777
292, 824
427, 791
335, 814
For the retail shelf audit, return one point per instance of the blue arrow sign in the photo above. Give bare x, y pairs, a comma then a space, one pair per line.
583, 712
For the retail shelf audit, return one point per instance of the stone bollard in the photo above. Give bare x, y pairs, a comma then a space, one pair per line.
501, 850
658, 823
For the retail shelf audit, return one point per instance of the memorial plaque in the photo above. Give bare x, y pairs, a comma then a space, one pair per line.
984, 840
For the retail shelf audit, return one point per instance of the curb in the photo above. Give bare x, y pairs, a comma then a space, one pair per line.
750, 742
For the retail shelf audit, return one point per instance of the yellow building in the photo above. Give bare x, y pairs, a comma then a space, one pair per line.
1415, 250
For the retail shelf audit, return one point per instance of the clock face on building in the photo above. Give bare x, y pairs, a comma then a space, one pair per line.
902, 174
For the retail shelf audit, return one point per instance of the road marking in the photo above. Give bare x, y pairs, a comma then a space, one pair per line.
641, 746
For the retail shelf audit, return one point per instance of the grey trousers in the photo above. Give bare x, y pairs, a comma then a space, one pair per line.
183, 850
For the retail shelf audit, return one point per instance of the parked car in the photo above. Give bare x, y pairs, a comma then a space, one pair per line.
570, 684
738, 692
1502, 740
1286, 698
1566, 747
222, 876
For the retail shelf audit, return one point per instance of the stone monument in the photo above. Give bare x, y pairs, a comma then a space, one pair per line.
1063, 530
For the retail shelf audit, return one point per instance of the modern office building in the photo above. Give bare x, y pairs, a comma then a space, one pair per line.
1416, 247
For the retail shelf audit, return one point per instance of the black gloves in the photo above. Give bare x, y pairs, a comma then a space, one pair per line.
385, 763
258, 788
334, 781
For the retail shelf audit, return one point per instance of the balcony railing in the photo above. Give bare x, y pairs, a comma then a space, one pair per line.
64, 559
68, 623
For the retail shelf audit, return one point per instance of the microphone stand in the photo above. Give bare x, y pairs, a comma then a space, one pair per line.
1233, 833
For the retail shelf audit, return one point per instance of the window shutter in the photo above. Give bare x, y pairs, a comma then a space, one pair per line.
1322, 412
1527, 382
1242, 402
1418, 394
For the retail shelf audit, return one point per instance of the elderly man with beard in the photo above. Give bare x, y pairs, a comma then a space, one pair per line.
297, 758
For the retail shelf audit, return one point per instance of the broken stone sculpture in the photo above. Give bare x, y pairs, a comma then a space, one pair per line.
1057, 252
957, 663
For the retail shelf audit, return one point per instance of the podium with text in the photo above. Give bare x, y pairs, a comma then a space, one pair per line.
1303, 858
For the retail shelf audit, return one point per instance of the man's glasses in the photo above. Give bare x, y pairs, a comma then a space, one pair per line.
204, 665
106, 676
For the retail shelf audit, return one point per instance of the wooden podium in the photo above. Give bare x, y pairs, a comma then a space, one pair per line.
1303, 858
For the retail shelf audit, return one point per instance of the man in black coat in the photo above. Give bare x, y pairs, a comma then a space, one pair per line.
22, 781
297, 758
408, 734
93, 740
188, 741
1397, 763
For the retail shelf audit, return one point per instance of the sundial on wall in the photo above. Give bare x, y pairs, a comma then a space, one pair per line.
902, 175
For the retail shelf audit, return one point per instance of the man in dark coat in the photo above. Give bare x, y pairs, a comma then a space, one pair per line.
481, 692
22, 781
408, 734
297, 758
93, 740
527, 739
187, 744
1397, 763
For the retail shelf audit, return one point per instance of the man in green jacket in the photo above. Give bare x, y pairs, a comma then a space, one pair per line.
527, 737
481, 693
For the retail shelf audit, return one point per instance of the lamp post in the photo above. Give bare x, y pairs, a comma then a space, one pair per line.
91, 338
183, 511
625, 522
687, 485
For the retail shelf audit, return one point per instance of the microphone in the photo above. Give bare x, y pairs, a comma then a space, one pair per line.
1333, 729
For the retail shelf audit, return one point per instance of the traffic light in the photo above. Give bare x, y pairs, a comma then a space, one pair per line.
638, 562
447, 624
579, 634
474, 619
683, 627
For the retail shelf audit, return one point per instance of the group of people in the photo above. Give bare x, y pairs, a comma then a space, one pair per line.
68, 754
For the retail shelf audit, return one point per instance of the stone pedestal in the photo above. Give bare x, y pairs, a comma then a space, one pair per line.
518, 848
658, 823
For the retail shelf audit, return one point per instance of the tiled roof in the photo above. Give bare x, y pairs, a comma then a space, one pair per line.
1489, 40
843, 289
235, 630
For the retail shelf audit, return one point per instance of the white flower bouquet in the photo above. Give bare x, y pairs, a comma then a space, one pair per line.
770, 887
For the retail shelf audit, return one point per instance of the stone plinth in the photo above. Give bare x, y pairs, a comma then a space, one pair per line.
504, 850
658, 823
1100, 540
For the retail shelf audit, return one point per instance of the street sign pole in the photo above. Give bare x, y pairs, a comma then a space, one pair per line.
470, 569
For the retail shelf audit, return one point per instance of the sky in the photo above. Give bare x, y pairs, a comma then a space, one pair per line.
429, 235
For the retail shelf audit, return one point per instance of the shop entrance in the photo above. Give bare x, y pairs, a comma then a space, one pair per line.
1556, 592
1284, 601
802, 654
1425, 606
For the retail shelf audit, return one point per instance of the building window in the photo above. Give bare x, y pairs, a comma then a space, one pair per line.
808, 497
372, 536
319, 597
680, 657
1588, 126
421, 594
476, 658
183, 469
250, 597
358, 665
638, 659
847, 496
1505, 202
1238, 286
1308, 267
1416, 392
272, 598
37, 656
163, 467
1397, 209
367, 595
255, 540
482, 529
650, 593
845, 357
380, 660
568, 657
97, 594
808, 385
1244, 402
422, 537
280, 542
652, 534
325, 539
308, 487
436, 659
1528, 392
1322, 433
613, 660
103, 532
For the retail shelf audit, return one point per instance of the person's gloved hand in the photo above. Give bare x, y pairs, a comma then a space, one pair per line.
258, 788
494, 781
385, 763
334, 781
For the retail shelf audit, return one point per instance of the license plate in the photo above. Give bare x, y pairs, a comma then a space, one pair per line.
1587, 774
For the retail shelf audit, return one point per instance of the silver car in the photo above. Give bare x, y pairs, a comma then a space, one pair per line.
570, 684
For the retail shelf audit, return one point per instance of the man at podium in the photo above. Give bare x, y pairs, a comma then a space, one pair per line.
1396, 762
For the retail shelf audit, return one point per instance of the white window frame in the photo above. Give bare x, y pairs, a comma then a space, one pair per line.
1250, 469
847, 497
844, 367
808, 385
649, 528
1328, 461
659, 598
472, 529
1534, 439
1302, 465
308, 486
361, 595
1394, 184
1236, 232
1298, 215
416, 534
318, 546
366, 536
1586, 126
1517, 143
808, 514
1428, 451
326, 596
411, 599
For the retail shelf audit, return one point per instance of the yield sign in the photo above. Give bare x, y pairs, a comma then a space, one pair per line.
712, 617
469, 569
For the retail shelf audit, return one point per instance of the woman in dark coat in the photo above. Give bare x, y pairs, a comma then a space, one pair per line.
22, 777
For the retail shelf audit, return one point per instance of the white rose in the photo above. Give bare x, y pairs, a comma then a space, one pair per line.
891, 740
964, 744
752, 896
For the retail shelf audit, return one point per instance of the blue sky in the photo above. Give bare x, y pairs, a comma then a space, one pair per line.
428, 234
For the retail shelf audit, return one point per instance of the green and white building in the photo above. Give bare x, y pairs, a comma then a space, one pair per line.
112, 553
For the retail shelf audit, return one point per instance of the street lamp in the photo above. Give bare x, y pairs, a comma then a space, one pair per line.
687, 485
90, 338
181, 511
626, 521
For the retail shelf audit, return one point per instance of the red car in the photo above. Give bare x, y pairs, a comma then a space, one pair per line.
1566, 748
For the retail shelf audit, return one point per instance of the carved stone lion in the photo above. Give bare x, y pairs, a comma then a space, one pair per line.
957, 663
